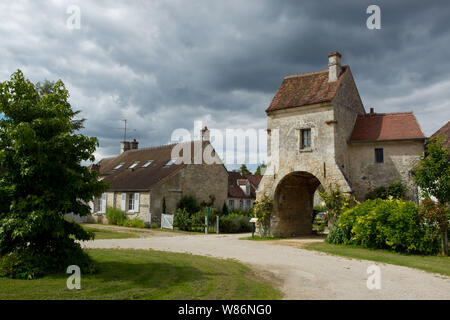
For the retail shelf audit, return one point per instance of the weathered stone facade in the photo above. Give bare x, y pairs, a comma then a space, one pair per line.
148, 185
325, 107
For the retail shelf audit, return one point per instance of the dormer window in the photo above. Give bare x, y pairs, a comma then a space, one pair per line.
120, 165
149, 162
133, 165
305, 139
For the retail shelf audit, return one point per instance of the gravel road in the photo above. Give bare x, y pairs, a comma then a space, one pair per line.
299, 273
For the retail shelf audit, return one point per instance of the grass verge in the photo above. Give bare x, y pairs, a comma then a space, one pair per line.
109, 234
149, 274
434, 264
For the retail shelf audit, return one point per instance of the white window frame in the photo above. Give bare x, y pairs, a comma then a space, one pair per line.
134, 165
101, 203
120, 165
231, 204
133, 199
149, 162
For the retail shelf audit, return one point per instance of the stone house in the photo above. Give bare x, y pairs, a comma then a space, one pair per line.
139, 180
242, 190
320, 134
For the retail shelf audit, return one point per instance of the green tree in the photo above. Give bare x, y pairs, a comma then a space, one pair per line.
243, 169
42, 179
263, 210
432, 175
45, 87
336, 202
224, 209
260, 169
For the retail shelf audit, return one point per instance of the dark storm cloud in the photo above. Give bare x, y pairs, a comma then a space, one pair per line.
164, 64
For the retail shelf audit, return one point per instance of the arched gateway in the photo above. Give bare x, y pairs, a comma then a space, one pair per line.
293, 204
319, 133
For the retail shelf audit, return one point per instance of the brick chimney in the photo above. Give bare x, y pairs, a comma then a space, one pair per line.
124, 146
372, 111
334, 66
205, 134
134, 145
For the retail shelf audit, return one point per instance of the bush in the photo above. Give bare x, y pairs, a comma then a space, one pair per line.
134, 223
386, 224
198, 221
181, 220
27, 264
396, 190
115, 216
234, 223
189, 203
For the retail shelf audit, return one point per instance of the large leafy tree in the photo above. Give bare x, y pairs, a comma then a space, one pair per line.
42, 179
432, 175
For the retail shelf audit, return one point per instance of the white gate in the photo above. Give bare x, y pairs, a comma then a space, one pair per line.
167, 221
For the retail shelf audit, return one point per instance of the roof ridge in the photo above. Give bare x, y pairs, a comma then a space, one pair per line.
386, 114
299, 75
162, 146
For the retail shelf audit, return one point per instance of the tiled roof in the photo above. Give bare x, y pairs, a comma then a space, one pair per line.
445, 130
305, 89
386, 126
139, 178
235, 179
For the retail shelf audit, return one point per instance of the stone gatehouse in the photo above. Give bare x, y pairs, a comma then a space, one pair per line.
323, 136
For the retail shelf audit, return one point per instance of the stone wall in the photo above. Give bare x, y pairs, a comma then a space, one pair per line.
347, 105
172, 190
203, 180
399, 159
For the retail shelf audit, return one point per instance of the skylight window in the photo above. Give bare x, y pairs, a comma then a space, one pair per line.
171, 162
120, 165
149, 162
133, 165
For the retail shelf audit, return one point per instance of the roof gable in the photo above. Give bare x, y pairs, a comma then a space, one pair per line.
305, 89
445, 131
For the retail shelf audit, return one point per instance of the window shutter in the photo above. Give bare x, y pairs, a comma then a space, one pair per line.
136, 202
122, 204
103, 203
91, 205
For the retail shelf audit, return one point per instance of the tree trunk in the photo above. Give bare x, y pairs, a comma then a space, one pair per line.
444, 242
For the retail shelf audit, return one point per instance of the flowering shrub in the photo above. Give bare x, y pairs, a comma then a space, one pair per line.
386, 224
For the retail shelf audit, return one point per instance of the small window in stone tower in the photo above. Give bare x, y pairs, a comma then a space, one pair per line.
305, 138
379, 157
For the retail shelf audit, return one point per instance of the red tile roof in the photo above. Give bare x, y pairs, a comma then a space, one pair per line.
445, 130
386, 126
235, 179
305, 89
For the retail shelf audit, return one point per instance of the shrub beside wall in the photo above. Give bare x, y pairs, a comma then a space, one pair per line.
386, 224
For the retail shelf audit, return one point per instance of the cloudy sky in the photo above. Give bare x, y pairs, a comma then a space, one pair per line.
164, 64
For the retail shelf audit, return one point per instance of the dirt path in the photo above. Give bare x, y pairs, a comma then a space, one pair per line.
300, 274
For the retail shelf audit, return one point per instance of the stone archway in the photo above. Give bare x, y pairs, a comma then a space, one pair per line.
293, 204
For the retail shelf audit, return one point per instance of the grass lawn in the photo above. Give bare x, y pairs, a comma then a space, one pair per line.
436, 264
148, 274
109, 234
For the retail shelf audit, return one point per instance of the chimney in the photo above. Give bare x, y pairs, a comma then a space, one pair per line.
124, 146
205, 134
134, 145
334, 66
372, 111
